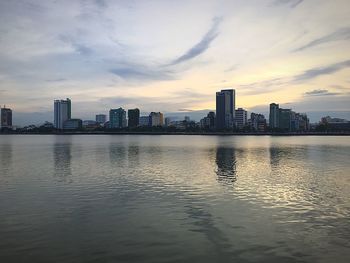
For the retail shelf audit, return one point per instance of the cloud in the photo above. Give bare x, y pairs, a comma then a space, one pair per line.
320, 92
290, 3
82, 49
141, 72
340, 34
56, 80
202, 45
262, 87
188, 93
270, 85
73, 41
101, 3
339, 87
316, 72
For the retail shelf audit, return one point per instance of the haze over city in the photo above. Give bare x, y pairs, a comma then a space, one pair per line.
173, 56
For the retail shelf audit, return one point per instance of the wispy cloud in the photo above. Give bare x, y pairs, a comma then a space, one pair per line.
202, 45
141, 72
316, 72
290, 3
340, 34
270, 85
56, 80
262, 87
320, 92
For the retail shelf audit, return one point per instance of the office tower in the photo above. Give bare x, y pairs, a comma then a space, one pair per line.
62, 112
6, 117
274, 116
156, 119
117, 118
241, 118
225, 109
144, 121
133, 118
101, 118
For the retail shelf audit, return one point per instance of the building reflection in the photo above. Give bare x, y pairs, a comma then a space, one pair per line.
226, 165
275, 156
133, 155
62, 150
6, 157
117, 154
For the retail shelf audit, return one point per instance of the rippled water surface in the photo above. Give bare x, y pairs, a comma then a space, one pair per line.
174, 199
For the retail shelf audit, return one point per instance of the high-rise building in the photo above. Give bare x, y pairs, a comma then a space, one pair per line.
117, 118
62, 112
133, 118
156, 119
241, 118
274, 116
225, 108
285, 119
6, 117
144, 121
101, 118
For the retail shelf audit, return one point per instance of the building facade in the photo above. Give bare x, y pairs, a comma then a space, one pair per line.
72, 124
62, 112
117, 118
274, 116
208, 122
144, 121
6, 118
156, 119
133, 118
258, 122
287, 120
101, 118
240, 118
225, 109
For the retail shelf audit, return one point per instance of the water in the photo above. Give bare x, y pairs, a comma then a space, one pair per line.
174, 199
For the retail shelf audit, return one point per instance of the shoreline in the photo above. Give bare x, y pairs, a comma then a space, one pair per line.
189, 133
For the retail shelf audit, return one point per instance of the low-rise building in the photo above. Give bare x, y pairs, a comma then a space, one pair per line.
257, 122
240, 118
101, 118
72, 124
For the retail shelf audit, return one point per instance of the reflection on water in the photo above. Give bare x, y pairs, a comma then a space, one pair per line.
117, 154
226, 164
171, 199
6, 156
62, 156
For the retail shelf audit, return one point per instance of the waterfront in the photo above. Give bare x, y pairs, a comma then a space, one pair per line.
139, 198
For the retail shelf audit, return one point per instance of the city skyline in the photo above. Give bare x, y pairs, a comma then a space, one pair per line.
162, 56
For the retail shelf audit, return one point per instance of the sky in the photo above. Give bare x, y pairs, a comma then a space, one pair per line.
172, 56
